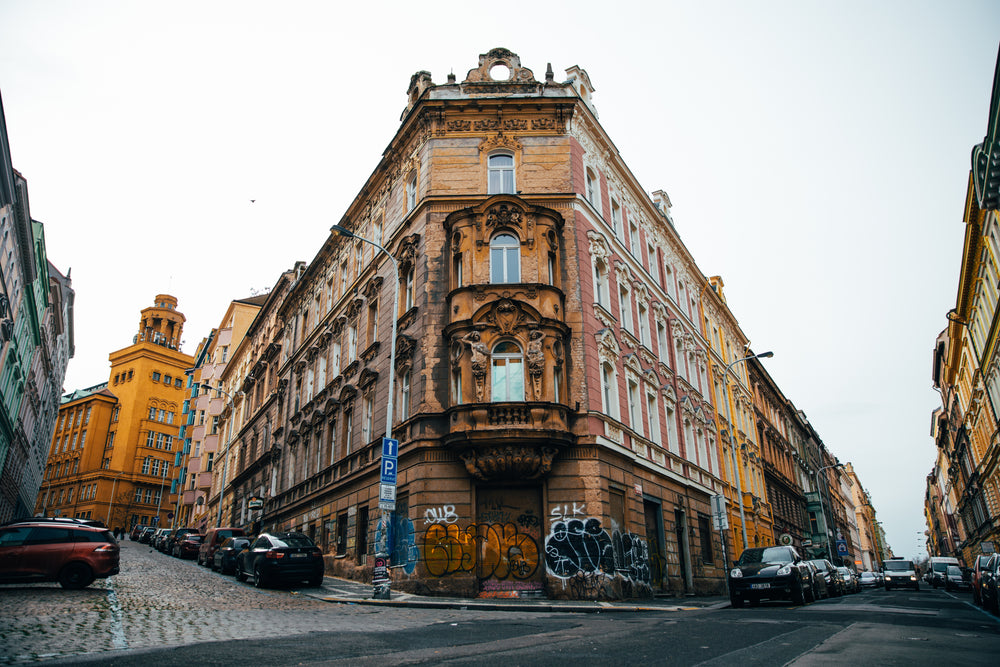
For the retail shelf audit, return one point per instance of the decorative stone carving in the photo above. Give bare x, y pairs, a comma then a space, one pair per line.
406, 256
499, 463
498, 140
607, 346
536, 362
506, 315
480, 359
495, 57
405, 347
598, 246
372, 288
367, 378
503, 215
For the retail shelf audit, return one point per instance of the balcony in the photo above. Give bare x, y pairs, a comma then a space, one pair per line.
508, 441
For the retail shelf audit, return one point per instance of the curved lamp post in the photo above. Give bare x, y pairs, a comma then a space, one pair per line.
382, 590
736, 470
822, 508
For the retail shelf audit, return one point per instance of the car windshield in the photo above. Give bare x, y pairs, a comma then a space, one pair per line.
291, 541
776, 555
898, 565
954, 570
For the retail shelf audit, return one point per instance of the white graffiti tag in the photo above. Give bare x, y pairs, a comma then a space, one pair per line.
444, 514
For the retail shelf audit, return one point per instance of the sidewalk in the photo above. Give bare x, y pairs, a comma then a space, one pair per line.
345, 591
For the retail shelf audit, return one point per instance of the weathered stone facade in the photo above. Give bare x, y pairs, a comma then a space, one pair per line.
551, 444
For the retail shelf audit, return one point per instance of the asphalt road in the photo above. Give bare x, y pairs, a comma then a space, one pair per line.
161, 611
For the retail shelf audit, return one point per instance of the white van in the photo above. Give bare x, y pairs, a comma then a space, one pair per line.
938, 568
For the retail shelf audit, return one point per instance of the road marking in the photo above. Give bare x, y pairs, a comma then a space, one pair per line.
118, 639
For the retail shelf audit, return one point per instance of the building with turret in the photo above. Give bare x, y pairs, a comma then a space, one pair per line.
116, 444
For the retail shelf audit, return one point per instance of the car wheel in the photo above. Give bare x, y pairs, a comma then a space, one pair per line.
75, 576
258, 578
798, 597
240, 576
736, 602
211, 565
810, 594
316, 581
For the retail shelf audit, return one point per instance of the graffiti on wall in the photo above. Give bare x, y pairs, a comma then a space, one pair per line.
596, 564
499, 551
400, 542
444, 514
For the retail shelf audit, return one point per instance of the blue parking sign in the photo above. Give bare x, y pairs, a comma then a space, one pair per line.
388, 469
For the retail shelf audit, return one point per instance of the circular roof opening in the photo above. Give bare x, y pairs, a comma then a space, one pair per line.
500, 72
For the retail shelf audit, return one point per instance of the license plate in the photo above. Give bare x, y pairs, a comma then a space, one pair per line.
299, 555
760, 586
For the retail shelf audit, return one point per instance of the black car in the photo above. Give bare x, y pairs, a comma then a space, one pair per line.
770, 573
957, 579
834, 580
224, 558
281, 557
989, 587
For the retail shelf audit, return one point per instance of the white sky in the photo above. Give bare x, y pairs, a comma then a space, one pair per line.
816, 154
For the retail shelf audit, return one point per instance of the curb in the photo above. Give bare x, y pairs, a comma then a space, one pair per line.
538, 607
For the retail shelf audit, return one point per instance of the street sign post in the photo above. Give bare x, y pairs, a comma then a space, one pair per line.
390, 464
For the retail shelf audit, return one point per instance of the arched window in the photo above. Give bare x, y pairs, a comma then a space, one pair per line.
602, 292
501, 174
507, 373
505, 259
592, 188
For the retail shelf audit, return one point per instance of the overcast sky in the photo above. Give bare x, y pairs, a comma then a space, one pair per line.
816, 154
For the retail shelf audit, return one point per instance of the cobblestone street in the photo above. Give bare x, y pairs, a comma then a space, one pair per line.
159, 601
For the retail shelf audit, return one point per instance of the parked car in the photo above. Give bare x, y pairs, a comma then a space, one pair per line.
224, 558
851, 584
59, 520
938, 567
989, 587
73, 554
868, 580
957, 579
977, 570
281, 557
136, 532
900, 573
146, 535
820, 591
772, 573
834, 581
213, 540
175, 535
159, 538
187, 546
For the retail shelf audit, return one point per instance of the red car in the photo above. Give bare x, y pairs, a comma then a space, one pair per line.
187, 546
977, 577
73, 554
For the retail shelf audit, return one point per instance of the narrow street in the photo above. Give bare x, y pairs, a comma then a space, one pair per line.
162, 610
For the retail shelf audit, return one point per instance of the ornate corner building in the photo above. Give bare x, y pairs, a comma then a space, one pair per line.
556, 395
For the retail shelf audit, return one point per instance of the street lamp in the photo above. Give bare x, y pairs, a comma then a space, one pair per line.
382, 589
736, 470
822, 509
112, 501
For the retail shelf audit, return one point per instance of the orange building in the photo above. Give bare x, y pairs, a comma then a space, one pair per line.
115, 445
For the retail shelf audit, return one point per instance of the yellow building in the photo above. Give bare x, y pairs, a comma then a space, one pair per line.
115, 445
738, 447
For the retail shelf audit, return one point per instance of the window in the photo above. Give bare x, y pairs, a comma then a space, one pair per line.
601, 288
634, 409
377, 230
592, 188
407, 280
705, 533
352, 343
456, 386
156, 376
552, 269
335, 357
625, 305
653, 418
616, 218
362, 533
672, 442
404, 396
168, 379
644, 325
456, 270
411, 190
633, 239
661, 342
609, 390
507, 373
368, 425
501, 174
373, 322
152, 414
211, 460
505, 259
